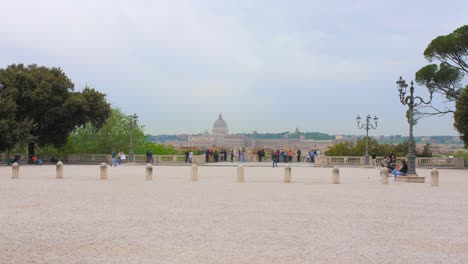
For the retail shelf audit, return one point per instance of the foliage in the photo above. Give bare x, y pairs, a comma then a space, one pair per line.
461, 116
427, 151
114, 134
452, 52
359, 149
45, 105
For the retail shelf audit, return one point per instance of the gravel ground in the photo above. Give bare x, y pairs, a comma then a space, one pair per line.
125, 219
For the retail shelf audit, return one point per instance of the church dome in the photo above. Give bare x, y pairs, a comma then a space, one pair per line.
220, 127
220, 123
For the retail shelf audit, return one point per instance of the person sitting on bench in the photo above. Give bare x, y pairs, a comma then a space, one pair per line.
402, 172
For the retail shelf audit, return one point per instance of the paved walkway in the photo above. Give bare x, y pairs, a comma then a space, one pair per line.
170, 219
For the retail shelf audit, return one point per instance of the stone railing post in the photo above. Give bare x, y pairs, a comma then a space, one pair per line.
194, 172
15, 171
103, 171
287, 174
434, 177
149, 172
336, 175
240, 173
384, 175
59, 170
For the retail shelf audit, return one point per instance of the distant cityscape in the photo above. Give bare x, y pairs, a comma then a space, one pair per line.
220, 138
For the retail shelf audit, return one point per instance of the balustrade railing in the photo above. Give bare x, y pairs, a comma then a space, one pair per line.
200, 159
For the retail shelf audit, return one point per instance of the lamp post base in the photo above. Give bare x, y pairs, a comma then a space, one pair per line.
412, 178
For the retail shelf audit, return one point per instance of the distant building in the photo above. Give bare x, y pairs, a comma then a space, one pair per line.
220, 137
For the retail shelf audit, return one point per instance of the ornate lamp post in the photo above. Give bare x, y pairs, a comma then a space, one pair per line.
412, 101
367, 126
133, 121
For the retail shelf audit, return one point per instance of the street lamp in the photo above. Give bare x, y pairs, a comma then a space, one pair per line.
412, 101
133, 122
367, 126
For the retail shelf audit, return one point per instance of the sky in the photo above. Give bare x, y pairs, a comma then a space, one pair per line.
269, 66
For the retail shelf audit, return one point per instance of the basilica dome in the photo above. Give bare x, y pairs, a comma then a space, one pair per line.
220, 127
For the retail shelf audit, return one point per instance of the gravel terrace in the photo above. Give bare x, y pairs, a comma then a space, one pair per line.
125, 219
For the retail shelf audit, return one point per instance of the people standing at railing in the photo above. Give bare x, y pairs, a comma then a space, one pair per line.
232, 155
215, 155
187, 153
374, 159
207, 155
121, 157
259, 155
298, 154
312, 156
190, 157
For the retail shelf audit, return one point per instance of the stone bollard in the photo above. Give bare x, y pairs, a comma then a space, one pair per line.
194, 172
149, 172
103, 171
240, 173
287, 174
15, 171
435, 177
335, 175
384, 175
59, 170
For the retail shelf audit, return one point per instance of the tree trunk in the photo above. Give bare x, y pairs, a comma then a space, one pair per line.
30, 152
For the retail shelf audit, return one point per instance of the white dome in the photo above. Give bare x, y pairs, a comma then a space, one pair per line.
220, 123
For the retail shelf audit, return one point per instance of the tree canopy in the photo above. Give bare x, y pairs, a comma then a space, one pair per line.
114, 134
44, 107
451, 52
461, 116
359, 149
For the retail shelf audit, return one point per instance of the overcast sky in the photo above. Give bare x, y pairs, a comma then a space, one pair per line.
269, 66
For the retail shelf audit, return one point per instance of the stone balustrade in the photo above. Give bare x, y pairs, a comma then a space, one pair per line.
200, 160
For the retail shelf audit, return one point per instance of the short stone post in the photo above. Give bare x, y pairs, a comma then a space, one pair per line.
240, 173
335, 175
103, 171
194, 172
435, 177
149, 172
287, 174
59, 170
15, 171
384, 175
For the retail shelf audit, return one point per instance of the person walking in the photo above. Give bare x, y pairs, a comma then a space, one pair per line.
113, 156
190, 156
232, 155
274, 158
373, 160
149, 156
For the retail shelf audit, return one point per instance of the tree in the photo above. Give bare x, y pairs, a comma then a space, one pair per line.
44, 101
427, 151
461, 116
451, 51
358, 149
114, 134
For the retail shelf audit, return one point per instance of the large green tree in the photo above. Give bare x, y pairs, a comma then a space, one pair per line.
451, 53
461, 116
114, 134
44, 102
